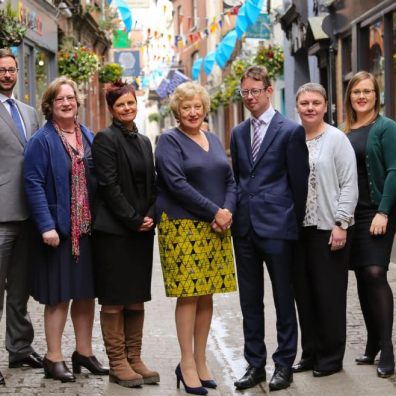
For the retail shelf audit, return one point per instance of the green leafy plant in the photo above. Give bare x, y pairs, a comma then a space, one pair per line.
154, 117
110, 72
79, 63
12, 31
272, 58
228, 91
109, 21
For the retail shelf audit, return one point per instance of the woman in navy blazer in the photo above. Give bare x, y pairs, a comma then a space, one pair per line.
59, 185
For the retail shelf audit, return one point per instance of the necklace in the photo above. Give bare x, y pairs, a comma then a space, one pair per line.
65, 131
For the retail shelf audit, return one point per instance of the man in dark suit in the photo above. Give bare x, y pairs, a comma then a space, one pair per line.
17, 123
270, 162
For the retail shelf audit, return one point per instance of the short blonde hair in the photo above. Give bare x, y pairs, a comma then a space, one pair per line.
52, 91
187, 91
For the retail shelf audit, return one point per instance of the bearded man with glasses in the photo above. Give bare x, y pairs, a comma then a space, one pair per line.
270, 163
18, 121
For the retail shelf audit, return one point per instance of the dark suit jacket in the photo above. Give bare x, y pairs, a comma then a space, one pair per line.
272, 191
119, 207
46, 173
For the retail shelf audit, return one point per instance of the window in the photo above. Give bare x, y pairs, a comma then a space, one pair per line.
376, 62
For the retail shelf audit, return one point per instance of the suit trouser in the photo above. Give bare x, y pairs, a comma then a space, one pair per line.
320, 282
14, 277
250, 252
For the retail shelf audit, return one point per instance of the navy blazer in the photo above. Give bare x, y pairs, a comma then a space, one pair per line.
47, 179
272, 191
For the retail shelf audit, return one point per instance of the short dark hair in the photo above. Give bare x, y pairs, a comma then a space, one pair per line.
116, 89
258, 73
7, 53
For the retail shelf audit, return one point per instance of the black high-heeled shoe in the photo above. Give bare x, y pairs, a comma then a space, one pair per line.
199, 390
89, 362
57, 371
211, 384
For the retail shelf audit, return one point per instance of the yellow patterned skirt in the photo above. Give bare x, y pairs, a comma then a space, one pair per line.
195, 260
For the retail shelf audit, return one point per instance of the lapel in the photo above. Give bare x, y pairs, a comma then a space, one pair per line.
124, 144
247, 140
272, 130
6, 117
25, 118
147, 154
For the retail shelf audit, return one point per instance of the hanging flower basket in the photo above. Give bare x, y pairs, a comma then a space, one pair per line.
110, 72
79, 63
12, 31
272, 58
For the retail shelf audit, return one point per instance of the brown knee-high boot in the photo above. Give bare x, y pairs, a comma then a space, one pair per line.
112, 325
133, 339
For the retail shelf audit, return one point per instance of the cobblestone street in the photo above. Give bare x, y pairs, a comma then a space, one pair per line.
160, 350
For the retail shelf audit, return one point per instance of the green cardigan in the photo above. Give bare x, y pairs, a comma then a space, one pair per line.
381, 163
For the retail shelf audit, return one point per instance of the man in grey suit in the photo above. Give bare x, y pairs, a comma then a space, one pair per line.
17, 123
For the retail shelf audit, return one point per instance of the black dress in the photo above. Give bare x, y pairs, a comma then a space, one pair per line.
123, 255
55, 275
367, 249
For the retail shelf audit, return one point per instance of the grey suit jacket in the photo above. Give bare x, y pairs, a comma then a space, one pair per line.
12, 197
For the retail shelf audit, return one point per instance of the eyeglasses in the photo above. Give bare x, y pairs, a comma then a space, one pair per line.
366, 92
69, 98
10, 70
254, 92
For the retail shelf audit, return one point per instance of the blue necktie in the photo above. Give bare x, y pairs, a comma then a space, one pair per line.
17, 119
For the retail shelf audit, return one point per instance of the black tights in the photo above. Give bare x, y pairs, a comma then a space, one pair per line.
376, 301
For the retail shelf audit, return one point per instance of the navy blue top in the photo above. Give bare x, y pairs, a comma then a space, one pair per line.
192, 183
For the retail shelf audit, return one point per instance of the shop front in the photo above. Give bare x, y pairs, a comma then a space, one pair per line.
37, 53
366, 38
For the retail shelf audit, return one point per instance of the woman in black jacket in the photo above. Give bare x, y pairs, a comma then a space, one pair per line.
123, 235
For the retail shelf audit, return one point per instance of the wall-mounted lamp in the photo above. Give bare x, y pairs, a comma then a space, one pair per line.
64, 10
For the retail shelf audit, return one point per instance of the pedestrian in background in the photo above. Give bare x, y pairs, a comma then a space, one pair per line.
194, 209
270, 162
124, 235
17, 123
60, 185
320, 271
373, 138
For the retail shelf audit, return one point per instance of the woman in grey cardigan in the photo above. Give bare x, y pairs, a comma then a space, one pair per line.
321, 267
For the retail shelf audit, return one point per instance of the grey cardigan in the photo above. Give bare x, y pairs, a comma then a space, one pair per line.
337, 188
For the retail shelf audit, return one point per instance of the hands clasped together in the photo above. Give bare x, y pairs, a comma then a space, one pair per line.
222, 220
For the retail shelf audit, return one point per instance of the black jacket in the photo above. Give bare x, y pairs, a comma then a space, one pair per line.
120, 208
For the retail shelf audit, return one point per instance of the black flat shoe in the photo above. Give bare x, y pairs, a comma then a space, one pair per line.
302, 365
364, 359
251, 378
34, 360
89, 362
57, 371
325, 373
386, 364
210, 384
385, 372
2, 380
282, 378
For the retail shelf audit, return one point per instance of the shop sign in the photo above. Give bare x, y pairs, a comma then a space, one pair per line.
129, 60
30, 19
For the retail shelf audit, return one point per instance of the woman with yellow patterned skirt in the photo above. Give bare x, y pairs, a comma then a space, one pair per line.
196, 199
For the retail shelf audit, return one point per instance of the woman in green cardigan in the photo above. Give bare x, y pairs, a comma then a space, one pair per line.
373, 138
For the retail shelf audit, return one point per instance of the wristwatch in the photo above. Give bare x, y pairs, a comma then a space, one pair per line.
342, 224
